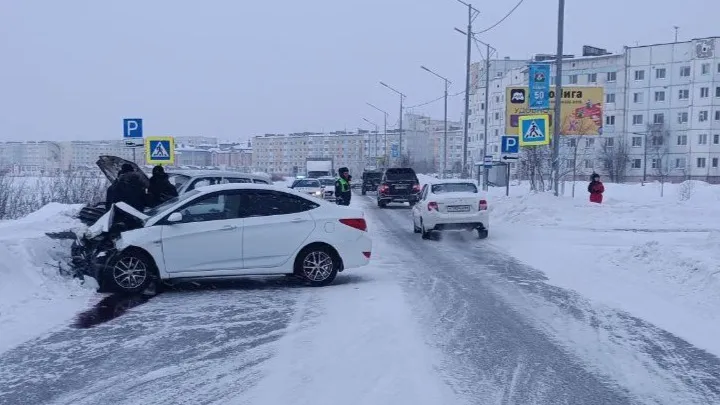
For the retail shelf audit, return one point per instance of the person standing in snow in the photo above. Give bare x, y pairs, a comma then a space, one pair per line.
596, 189
128, 188
342, 187
160, 189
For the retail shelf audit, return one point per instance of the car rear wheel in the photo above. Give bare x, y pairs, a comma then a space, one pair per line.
363, 192
482, 233
382, 204
131, 272
425, 234
318, 265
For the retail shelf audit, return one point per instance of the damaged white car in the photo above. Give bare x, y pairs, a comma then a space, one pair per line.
222, 231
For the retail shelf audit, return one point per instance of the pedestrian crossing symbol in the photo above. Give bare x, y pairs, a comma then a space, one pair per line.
534, 130
160, 150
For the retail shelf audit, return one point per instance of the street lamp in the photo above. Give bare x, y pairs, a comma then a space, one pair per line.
401, 114
472, 13
385, 115
445, 154
376, 137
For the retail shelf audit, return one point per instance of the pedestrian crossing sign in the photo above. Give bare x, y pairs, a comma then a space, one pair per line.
534, 130
160, 150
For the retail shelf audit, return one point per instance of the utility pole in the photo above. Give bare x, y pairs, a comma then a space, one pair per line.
487, 108
376, 136
445, 154
385, 115
401, 116
676, 32
469, 34
558, 97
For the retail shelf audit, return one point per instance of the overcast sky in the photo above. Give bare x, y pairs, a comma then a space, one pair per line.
73, 69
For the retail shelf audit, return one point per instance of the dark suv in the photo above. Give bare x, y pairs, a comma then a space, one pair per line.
371, 180
399, 184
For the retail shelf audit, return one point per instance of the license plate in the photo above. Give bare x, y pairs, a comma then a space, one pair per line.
458, 208
401, 186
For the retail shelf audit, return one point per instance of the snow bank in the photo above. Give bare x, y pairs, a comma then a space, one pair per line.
34, 297
655, 257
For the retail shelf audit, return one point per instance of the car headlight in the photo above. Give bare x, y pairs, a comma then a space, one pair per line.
318, 193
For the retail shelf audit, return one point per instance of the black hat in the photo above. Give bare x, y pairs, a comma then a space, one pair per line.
158, 170
126, 168
343, 170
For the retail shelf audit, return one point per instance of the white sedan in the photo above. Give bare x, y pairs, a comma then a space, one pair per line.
450, 205
230, 230
309, 186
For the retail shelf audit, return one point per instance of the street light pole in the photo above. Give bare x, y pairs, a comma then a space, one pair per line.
557, 121
487, 108
385, 115
467, 84
445, 154
401, 115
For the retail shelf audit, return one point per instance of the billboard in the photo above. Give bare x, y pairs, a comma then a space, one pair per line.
581, 110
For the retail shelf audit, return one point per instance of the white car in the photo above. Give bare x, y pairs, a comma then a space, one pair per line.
312, 187
229, 230
450, 205
328, 185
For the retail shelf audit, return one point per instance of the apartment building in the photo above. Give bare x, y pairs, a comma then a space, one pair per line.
662, 105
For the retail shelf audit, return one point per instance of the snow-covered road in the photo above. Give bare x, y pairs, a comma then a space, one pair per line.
454, 321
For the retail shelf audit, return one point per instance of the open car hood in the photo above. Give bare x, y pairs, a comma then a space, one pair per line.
103, 224
110, 166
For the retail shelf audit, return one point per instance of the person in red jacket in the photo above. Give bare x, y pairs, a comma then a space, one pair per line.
596, 189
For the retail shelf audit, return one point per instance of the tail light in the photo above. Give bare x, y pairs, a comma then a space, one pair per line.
482, 206
357, 223
432, 206
384, 188
416, 188
367, 254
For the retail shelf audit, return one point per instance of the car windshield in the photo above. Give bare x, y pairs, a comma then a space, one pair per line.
178, 180
307, 183
400, 174
327, 182
160, 208
372, 175
454, 188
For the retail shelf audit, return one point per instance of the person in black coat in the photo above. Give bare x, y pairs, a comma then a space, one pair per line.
128, 188
160, 189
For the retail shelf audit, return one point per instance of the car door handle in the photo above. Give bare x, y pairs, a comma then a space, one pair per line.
228, 228
296, 220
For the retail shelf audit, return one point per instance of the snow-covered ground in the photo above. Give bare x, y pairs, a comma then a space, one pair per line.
34, 297
657, 258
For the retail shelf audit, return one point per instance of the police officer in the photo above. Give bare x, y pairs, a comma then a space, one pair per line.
342, 187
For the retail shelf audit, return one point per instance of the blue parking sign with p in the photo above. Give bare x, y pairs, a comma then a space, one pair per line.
132, 128
510, 144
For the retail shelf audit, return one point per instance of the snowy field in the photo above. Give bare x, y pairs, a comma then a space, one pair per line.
567, 302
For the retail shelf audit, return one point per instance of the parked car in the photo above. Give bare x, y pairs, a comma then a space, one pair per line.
226, 230
451, 205
371, 181
399, 184
328, 186
184, 181
309, 186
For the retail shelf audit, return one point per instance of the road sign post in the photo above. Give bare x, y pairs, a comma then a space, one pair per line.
160, 150
507, 179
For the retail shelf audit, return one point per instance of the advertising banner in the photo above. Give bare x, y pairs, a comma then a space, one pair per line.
581, 110
539, 78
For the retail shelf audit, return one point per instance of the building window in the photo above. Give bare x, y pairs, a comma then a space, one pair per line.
639, 75
609, 120
703, 116
717, 91
700, 163
637, 119
655, 163
660, 73
497, 115
704, 92
482, 106
497, 99
705, 69
590, 142
702, 139
659, 96
682, 140
636, 141
716, 139
680, 163
573, 79
612, 76
717, 115
636, 164
659, 118
683, 94
638, 97
592, 77
715, 162
682, 117
685, 71
610, 97
573, 142
588, 164
610, 142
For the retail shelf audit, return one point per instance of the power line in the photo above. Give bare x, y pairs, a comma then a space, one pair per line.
503, 19
435, 100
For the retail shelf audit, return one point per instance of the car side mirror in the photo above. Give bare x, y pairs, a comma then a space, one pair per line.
175, 217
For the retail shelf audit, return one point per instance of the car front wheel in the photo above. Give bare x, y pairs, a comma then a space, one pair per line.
482, 233
318, 265
131, 272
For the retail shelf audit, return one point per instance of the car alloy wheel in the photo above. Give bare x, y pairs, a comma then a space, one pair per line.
317, 266
129, 273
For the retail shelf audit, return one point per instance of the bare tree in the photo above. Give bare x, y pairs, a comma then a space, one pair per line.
573, 159
615, 156
658, 139
536, 166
